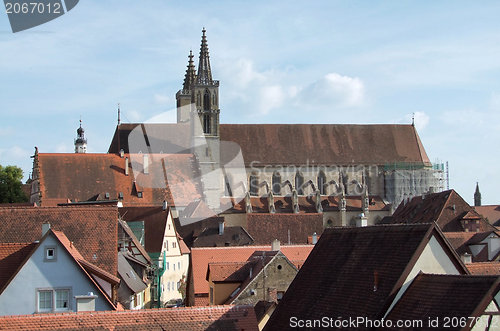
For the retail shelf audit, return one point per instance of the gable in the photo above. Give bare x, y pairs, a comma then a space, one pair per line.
92, 229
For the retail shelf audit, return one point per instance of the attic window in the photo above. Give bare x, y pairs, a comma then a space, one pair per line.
120, 195
139, 195
106, 196
279, 267
50, 254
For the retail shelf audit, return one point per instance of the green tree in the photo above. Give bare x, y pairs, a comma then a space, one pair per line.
11, 185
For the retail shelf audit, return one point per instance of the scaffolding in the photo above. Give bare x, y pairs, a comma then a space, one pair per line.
407, 180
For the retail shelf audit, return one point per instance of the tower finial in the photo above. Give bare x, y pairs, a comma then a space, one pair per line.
413, 119
190, 77
477, 196
204, 76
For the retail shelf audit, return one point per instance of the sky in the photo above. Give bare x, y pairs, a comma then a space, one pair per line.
338, 62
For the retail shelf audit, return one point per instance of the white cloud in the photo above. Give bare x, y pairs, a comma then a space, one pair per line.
162, 99
333, 90
271, 97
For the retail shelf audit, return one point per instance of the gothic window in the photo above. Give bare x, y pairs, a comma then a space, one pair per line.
321, 182
276, 183
206, 100
299, 181
228, 186
254, 184
198, 99
206, 123
214, 98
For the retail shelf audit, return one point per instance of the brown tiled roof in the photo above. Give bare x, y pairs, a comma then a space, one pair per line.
227, 318
83, 177
202, 256
265, 228
339, 275
446, 208
12, 256
491, 213
232, 236
484, 268
324, 144
169, 138
458, 240
440, 296
92, 229
195, 227
228, 271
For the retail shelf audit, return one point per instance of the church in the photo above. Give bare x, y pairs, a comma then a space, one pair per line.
350, 173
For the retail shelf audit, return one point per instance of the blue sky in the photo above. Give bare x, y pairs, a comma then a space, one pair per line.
360, 62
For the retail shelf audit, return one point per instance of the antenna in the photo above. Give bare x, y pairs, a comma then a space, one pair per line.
118, 113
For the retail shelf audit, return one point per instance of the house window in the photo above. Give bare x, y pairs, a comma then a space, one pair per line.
45, 300
229, 184
167, 266
62, 299
53, 300
178, 285
179, 265
50, 254
173, 264
168, 286
165, 245
174, 244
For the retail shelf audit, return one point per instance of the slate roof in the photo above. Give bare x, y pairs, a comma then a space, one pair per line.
339, 276
431, 296
265, 228
484, 268
446, 208
491, 213
194, 227
202, 256
12, 256
92, 229
129, 276
227, 318
83, 177
324, 144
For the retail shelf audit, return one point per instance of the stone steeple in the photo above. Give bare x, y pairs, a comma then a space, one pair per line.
80, 141
477, 196
204, 76
190, 76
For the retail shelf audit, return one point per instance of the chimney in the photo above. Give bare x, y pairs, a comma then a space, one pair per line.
146, 164
221, 228
466, 258
315, 238
275, 245
45, 228
126, 166
165, 204
122, 153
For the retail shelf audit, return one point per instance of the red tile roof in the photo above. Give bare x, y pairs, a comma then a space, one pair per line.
92, 229
484, 268
446, 208
228, 271
89, 176
458, 240
264, 228
444, 296
227, 318
201, 257
12, 257
324, 144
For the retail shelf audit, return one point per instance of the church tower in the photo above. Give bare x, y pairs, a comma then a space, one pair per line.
204, 119
477, 196
80, 141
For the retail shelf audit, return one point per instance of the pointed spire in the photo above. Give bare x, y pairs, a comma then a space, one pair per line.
118, 113
204, 76
477, 196
80, 141
190, 76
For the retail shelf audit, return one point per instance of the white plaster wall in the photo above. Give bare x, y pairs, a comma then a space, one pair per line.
20, 296
493, 246
433, 260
